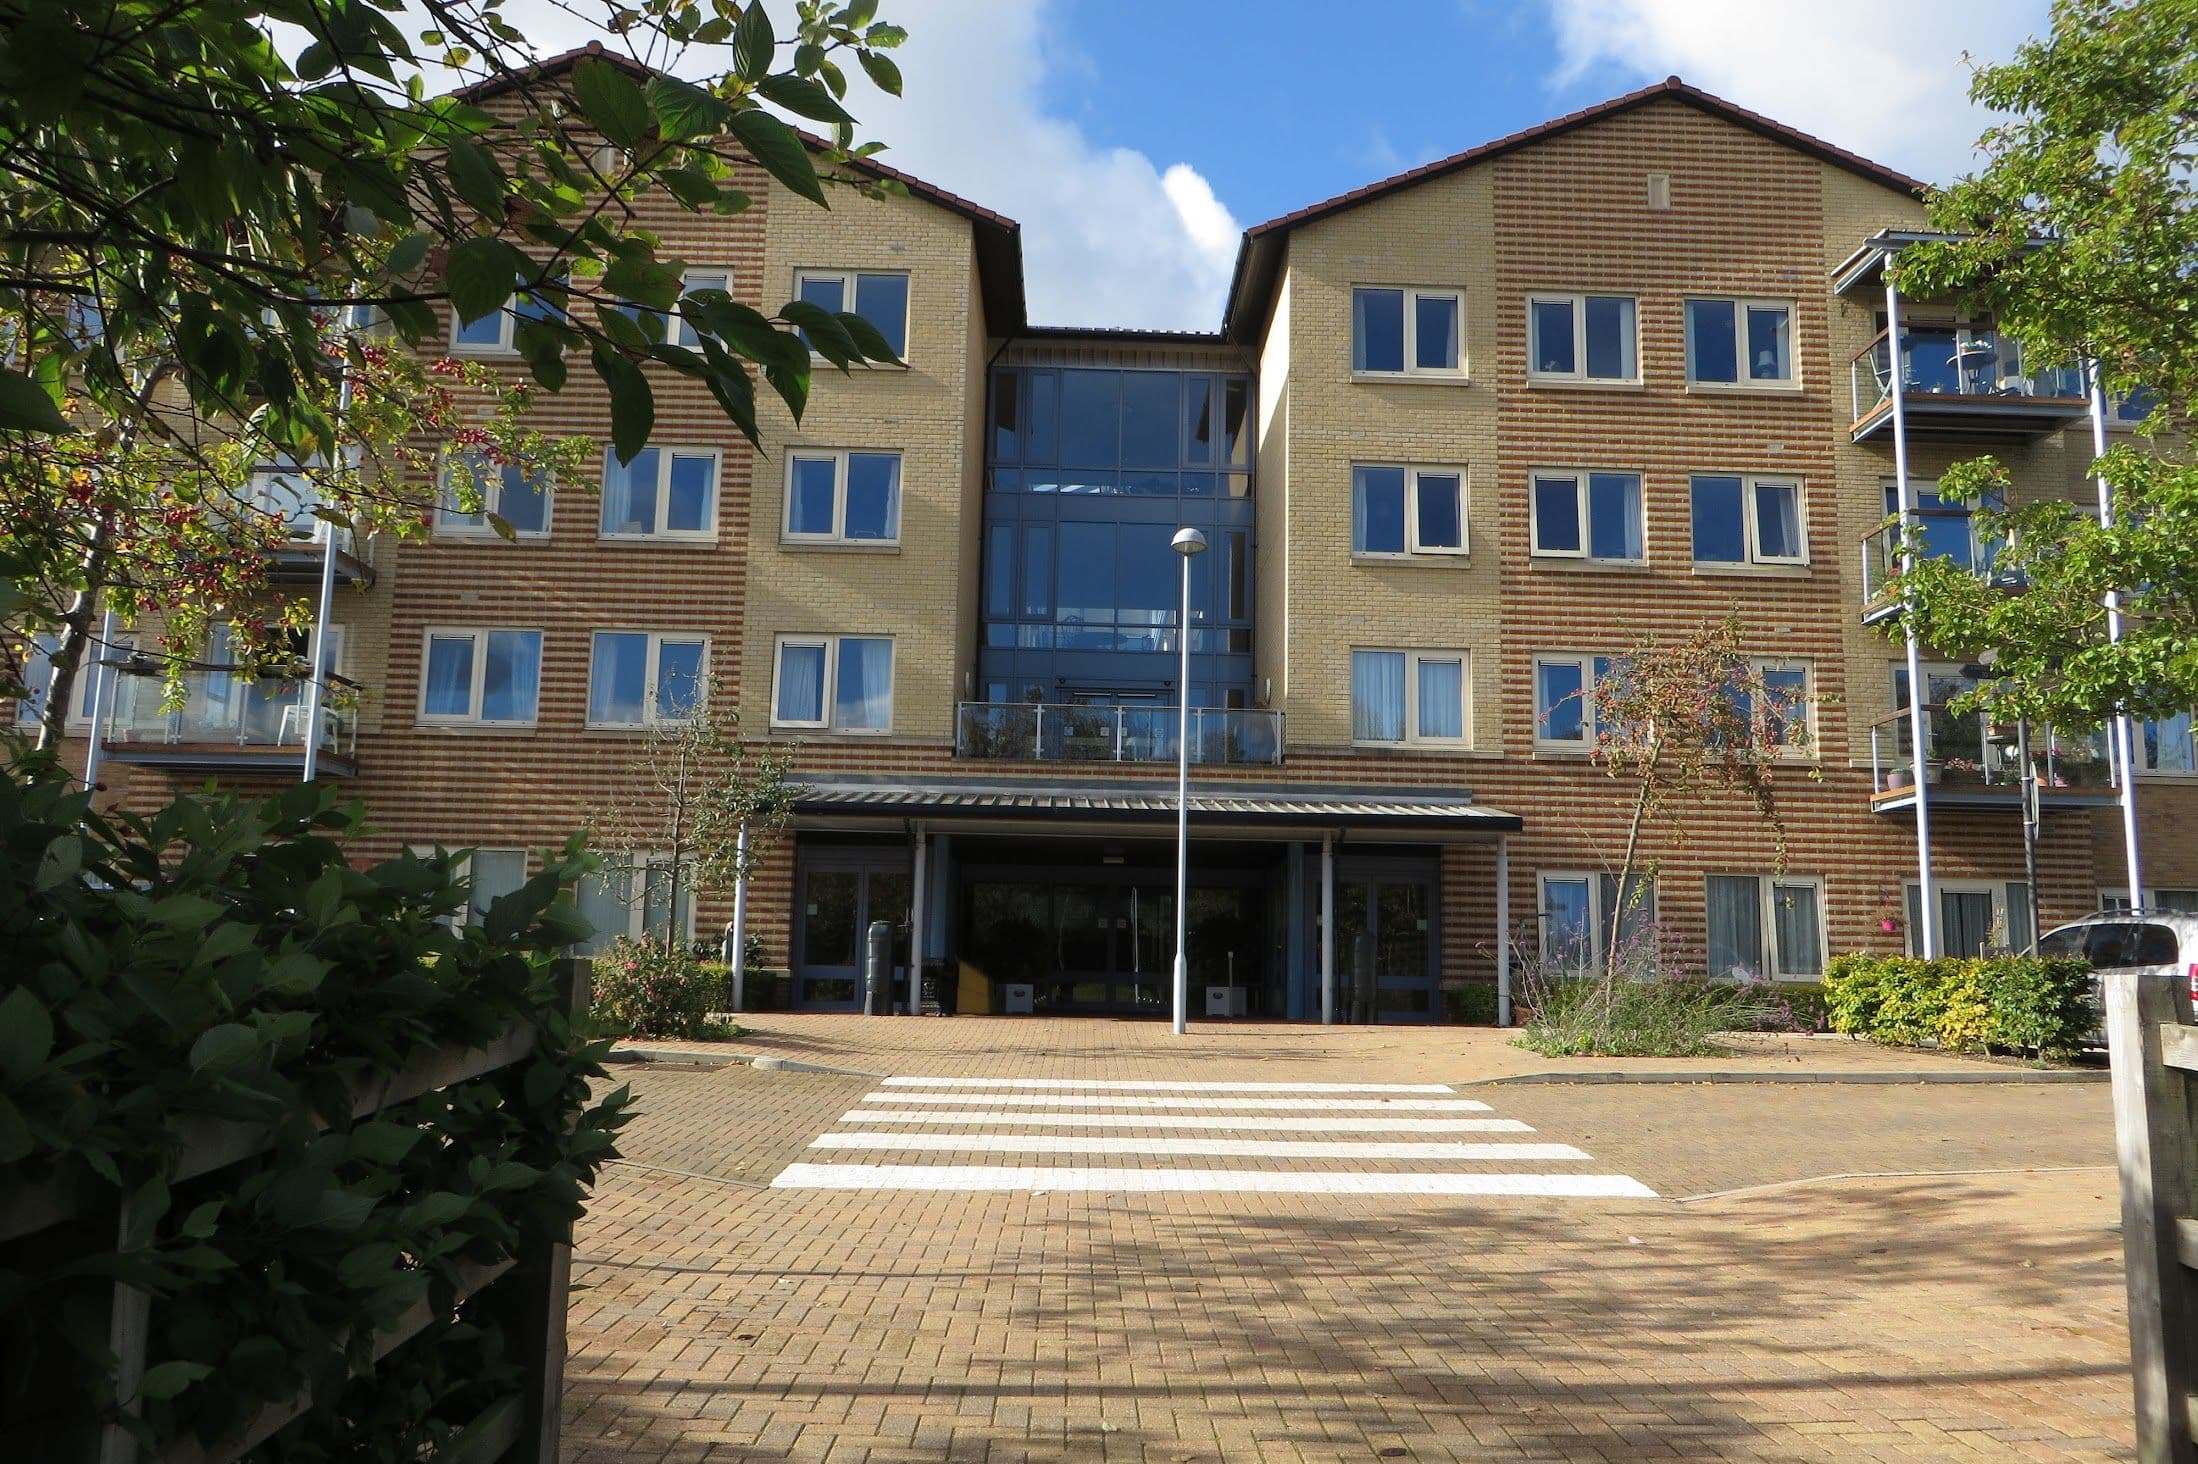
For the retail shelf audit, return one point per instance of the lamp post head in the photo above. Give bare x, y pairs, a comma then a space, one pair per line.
1188, 542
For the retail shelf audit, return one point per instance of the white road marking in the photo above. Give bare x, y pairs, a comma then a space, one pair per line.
1088, 1100
1156, 1087
1218, 1181
1214, 1148
1258, 1122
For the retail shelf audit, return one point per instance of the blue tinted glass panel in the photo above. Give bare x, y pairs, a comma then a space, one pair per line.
1788, 694
1930, 362
693, 487
864, 696
1150, 485
1614, 515
618, 684
1037, 576
449, 691
1778, 520
1720, 536
1610, 337
1236, 412
1710, 354
1007, 415
1435, 332
1770, 343
873, 495
1152, 419
678, 677
1086, 591
825, 292
1551, 347
523, 501
882, 299
1091, 419
1377, 330
1000, 571
1147, 588
1380, 511
1565, 920
815, 481
629, 493
1557, 515
1559, 702
512, 676
487, 331
1201, 429
1441, 522
1041, 429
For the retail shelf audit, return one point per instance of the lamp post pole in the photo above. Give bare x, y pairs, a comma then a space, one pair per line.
1188, 543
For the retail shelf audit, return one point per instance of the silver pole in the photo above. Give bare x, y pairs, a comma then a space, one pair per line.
739, 959
315, 694
1918, 720
103, 682
915, 928
1503, 930
1328, 930
1183, 807
2123, 753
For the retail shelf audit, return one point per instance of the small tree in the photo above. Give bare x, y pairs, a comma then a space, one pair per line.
1690, 719
700, 788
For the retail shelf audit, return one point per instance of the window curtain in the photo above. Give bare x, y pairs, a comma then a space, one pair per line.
449, 676
1797, 922
865, 692
603, 901
1736, 926
1614, 515
493, 874
1967, 916
620, 679
1778, 520
1377, 696
1565, 921
629, 494
801, 684
514, 674
1442, 699
2017, 935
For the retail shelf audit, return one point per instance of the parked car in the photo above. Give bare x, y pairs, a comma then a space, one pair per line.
2156, 942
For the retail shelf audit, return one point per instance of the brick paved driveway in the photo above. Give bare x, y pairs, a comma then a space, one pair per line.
1973, 1317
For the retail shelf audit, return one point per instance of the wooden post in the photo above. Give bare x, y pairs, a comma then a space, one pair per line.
2153, 1143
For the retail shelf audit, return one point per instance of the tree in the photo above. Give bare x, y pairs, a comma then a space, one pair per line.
2080, 235
711, 805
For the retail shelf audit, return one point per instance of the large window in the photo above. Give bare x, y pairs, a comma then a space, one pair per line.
1564, 700
38, 677
697, 281
1581, 914
1766, 926
1142, 434
1581, 338
1740, 343
490, 874
880, 298
843, 497
1974, 916
1748, 520
2164, 744
1948, 530
840, 683
632, 896
1409, 696
475, 490
664, 493
494, 332
1582, 514
286, 491
1398, 331
481, 676
1398, 510
642, 678
1786, 718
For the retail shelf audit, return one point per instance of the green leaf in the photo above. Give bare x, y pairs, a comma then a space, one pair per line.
684, 110
883, 73
477, 178
633, 410
753, 43
409, 254
802, 97
827, 337
611, 101
435, 1210
383, 1143
223, 1047
783, 155
25, 407
26, 1034
884, 35
482, 273
165, 1380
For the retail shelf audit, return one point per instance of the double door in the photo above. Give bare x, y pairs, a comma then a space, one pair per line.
838, 897
1385, 953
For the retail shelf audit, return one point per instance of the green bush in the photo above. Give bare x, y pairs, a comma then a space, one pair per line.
1659, 1017
1963, 1004
644, 989
1470, 1004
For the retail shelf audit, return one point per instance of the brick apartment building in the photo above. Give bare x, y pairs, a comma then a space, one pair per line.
1461, 432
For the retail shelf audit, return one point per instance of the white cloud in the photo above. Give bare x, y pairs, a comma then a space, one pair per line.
1884, 78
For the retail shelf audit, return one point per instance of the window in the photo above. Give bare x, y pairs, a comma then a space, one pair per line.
843, 683
1581, 338
632, 896
1973, 916
1739, 343
1581, 514
664, 493
1581, 912
2164, 744
2181, 901
1748, 520
490, 873
1948, 529
484, 677
1787, 718
1407, 510
843, 497
1406, 332
285, 490
1766, 927
38, 674
694, 281
881, 299
502, 490
1564, 701
642, 678
1409, 696
496, 331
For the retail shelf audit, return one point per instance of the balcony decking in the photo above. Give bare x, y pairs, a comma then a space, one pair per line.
1968, 762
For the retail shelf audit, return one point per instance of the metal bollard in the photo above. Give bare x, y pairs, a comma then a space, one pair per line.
877, 968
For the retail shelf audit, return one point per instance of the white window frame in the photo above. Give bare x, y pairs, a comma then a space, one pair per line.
682, 332
1578, 301
507, 325
476, 696
2137, 750
1582, 500
1412, 545
839, 457
2109, 894
1741, 305
652, 676
1996, 888
492, 500
1593, 879
1412, 294
848, 279
1763, 666
1412, 658
665, 452
39, 649
828, 697
1585, 662
1766, 895
464, 870
1751, 536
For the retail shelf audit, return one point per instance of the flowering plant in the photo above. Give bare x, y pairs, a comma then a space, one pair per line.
649, 990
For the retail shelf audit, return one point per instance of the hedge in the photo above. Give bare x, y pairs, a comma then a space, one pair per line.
1964, 1004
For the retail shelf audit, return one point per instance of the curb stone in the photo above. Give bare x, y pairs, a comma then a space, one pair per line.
689, 1057
1987, 1075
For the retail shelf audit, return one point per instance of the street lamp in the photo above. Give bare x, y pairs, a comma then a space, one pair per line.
1188, 543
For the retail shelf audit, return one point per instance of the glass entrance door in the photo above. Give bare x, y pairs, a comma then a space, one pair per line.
835, 904
1385, 960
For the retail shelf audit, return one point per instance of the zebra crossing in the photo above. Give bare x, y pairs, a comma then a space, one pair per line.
1378, 1141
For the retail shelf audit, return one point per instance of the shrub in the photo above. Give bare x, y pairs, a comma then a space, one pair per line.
1963, 1004
644, 989
1654, 1000
1470, 1003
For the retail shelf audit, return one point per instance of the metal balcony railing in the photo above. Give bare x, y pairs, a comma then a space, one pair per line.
1946, 533
1969, 751
227, 706
1035, 732
1941, 361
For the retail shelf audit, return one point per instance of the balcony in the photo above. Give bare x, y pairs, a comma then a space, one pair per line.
1945, 533
1964, 385
1969, 761
1033, 732
229, 722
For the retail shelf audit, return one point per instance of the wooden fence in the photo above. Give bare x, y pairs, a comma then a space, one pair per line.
518, 1428
2155, 1056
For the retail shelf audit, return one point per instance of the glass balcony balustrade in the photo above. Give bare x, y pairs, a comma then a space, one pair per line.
228, 707
1943, 533
1968, 752
1037, 732
1962, 383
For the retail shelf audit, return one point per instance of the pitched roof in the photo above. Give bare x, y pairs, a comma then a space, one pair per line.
1259, 256
999, 239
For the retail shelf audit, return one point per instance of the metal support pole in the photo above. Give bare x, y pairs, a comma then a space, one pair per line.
2123, 737
104, 680
1503, 930
1328, 930
2030, 818
1927, 923
915, 927
315, 692
1182, 983
738, 960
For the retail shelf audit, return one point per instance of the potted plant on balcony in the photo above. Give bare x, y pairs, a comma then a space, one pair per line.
1890, 917
1898, 780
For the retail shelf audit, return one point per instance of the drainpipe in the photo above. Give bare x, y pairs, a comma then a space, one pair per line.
1927, 924
2122, 734
1503, 930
